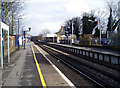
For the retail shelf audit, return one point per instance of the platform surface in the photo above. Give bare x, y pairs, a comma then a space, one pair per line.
24, 70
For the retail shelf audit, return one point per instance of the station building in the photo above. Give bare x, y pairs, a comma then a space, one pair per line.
61, 38
50, 38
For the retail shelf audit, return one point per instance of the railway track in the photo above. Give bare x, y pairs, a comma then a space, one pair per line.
100, 75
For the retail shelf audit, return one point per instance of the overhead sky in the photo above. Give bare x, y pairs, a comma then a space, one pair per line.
51, 14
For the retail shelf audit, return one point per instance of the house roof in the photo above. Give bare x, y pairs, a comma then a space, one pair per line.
61, 31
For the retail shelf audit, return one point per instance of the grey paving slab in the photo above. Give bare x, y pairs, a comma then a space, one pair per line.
22, 70
30, 76
13, 77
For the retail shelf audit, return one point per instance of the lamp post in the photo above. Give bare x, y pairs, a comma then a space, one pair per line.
67, 34
18, 31
95, 29
22, 35
91, 33
72, 32
25, 34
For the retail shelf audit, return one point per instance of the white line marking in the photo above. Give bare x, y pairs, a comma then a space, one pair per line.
61, 74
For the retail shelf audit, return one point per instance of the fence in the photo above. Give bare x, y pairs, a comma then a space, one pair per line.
106, 56
13, 42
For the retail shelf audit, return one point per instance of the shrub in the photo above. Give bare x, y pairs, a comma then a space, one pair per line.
116, 39
85, 40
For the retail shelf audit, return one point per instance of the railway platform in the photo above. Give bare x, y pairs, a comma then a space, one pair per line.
32, 67
102, 55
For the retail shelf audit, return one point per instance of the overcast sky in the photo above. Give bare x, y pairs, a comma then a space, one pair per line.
51, 14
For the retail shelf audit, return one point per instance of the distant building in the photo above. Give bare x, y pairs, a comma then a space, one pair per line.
60, 34
61, 38
50, 37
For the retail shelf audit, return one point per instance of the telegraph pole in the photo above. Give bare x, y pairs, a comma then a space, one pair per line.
111, 19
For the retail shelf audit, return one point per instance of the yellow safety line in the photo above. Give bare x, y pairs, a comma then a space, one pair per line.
39, 70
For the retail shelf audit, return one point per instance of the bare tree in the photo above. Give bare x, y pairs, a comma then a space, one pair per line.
76, 24
45, 31
113, 17
102, 15
12, 10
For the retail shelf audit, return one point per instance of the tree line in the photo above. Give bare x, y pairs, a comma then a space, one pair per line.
11, 12
86, 24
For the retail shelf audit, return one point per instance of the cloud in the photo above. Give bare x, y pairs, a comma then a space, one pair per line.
76, 6
51, 14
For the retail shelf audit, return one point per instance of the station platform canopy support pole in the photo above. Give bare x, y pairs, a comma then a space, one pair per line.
3, 26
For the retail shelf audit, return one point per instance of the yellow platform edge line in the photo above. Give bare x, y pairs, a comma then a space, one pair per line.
39, 70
